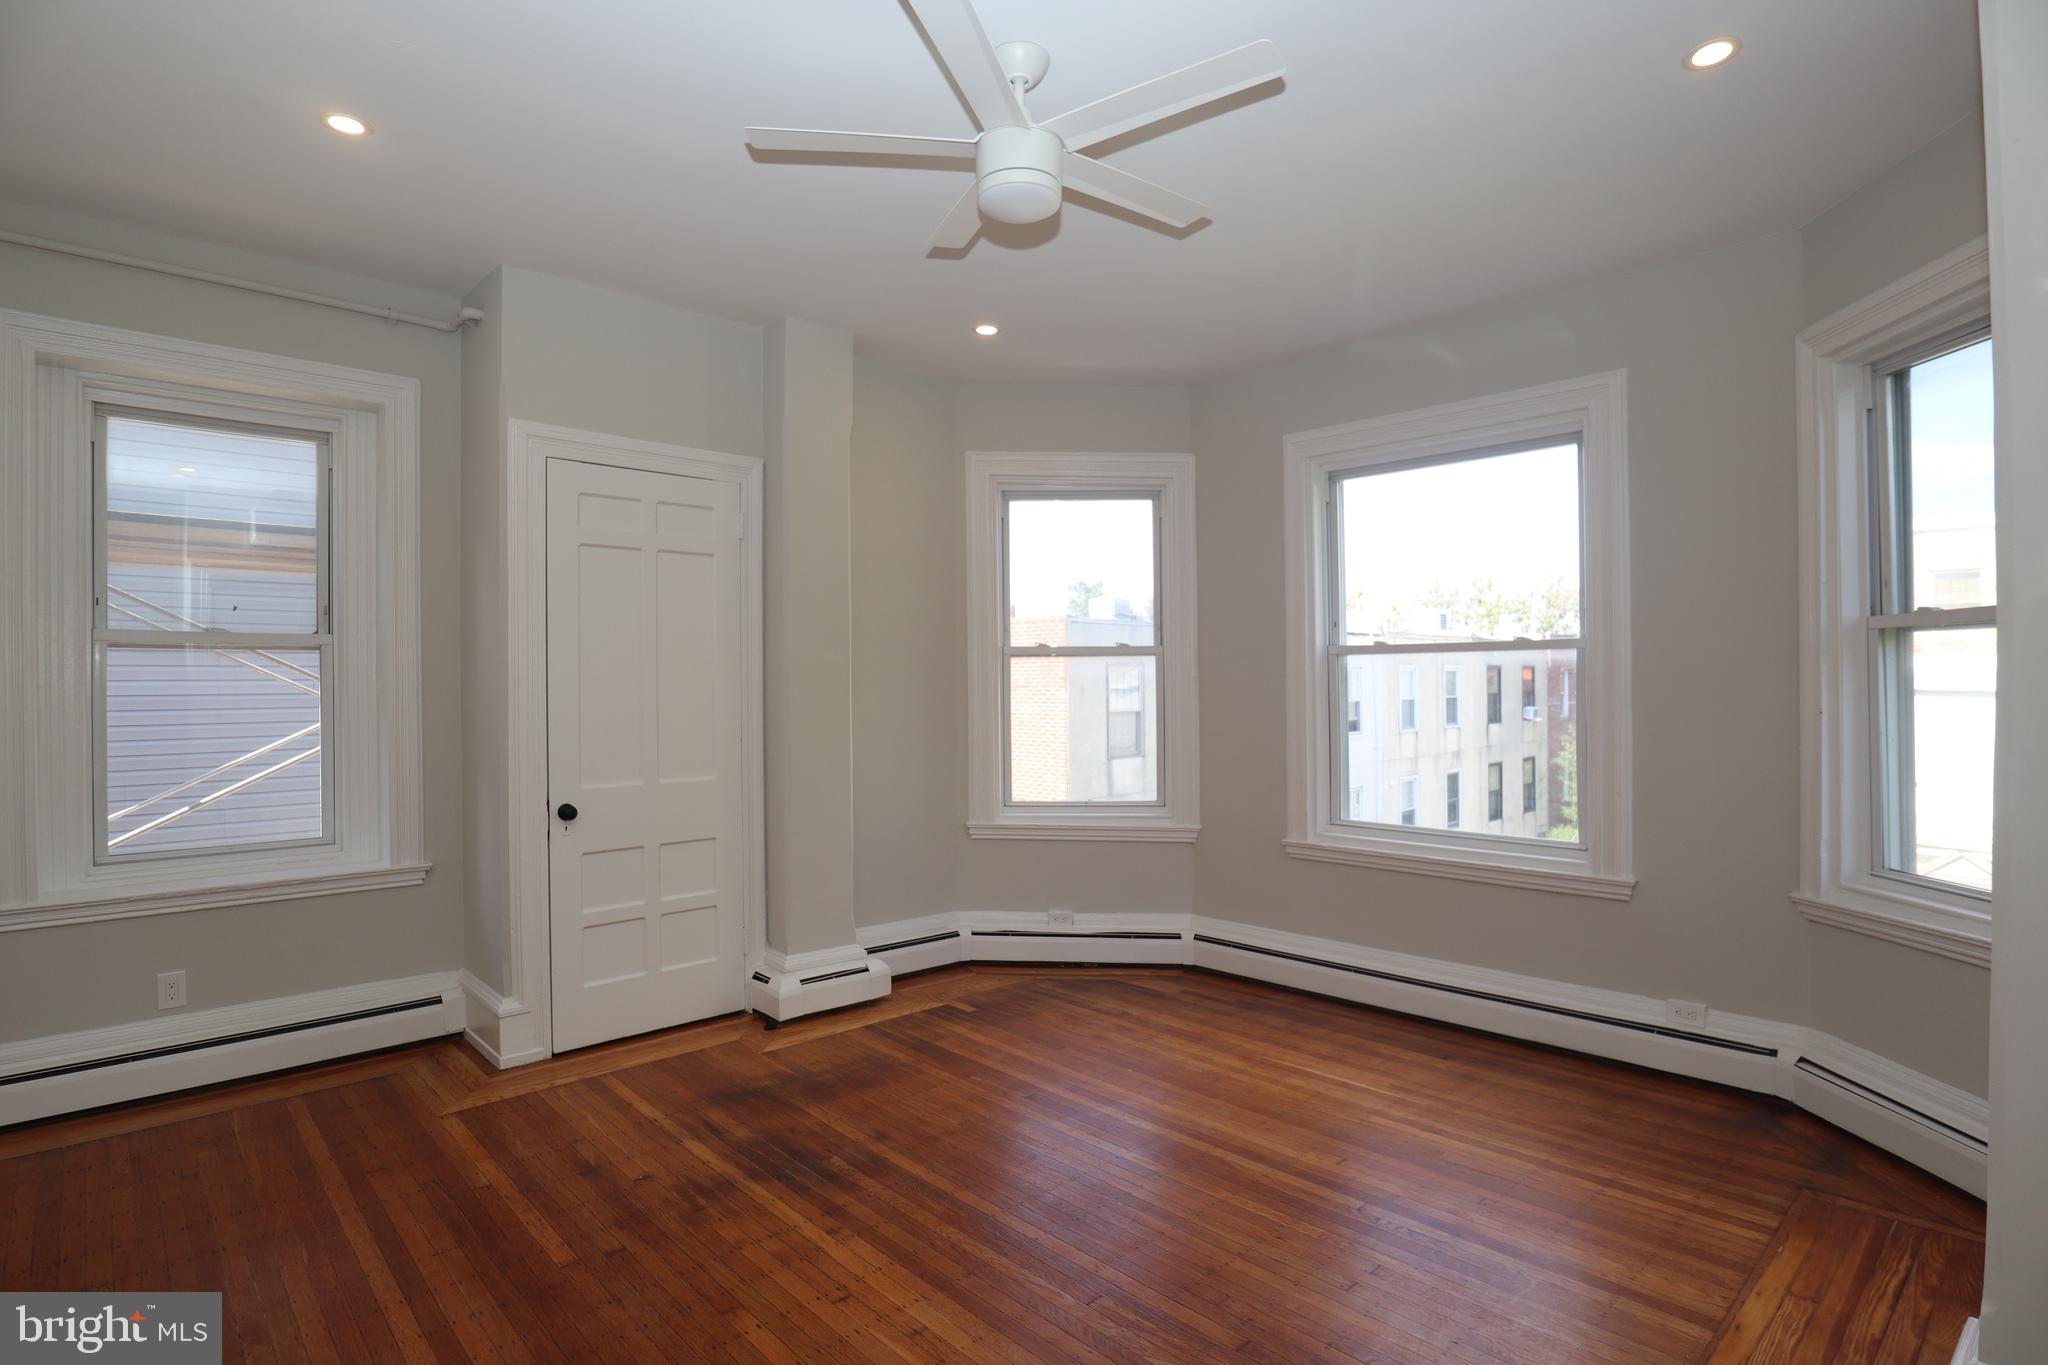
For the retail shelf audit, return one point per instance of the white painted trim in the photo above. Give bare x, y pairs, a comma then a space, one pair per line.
1884, 1102
1926, 932
1966, 1346
1567, 880
1895, 1116
990, 475
23, 1101
1595, 409
529, 446
1121, 832
830, 979
503, 1030
47, 875
1837, 887
261, 891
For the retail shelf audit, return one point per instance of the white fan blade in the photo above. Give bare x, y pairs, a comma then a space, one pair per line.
869, 144
1241, 69
960, 224
1127, 191
964, 49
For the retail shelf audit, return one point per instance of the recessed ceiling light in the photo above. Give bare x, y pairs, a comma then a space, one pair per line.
985, 329
1709, 55
348, 124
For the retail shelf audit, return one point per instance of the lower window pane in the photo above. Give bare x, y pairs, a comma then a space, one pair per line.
1942, 760
1396, 767
1084, 729
211, 748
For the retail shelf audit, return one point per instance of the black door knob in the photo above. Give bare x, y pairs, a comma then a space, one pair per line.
566, 811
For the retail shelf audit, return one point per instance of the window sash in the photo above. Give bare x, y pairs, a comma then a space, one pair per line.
258, 645
1157, 649
1893, 618
1408, 697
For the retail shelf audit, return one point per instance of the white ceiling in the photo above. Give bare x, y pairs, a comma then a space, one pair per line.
1421, 156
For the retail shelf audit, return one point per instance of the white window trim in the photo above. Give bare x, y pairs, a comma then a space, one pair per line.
1593, 410
1171, 478
1838, 886
49, 368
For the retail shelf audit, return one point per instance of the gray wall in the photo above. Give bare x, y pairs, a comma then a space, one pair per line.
56, 980
912, 853
1706, 343
1926, 1012
572, 355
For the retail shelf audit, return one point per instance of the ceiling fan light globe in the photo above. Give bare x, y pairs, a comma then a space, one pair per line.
1019, 195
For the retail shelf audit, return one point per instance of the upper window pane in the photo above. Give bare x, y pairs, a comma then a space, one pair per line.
1951, 524
1485, 548
211, 529
1081, 571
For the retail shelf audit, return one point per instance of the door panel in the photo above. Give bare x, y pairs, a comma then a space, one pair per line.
645, 736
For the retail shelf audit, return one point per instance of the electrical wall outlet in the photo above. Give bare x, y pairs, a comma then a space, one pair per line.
1690, 1012
170, 990
1063, 918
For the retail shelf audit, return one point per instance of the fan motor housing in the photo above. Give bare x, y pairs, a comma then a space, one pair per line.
1018, 174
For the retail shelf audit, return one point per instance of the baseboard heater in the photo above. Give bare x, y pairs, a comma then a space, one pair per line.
1634, 1025
1878, 1097
1076, 933
201, 1044
939, 937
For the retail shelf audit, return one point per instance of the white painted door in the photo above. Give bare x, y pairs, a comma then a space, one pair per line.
645, 743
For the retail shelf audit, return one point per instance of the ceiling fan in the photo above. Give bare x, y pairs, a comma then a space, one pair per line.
1022, 167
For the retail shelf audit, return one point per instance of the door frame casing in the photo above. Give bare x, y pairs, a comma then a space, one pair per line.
529, 446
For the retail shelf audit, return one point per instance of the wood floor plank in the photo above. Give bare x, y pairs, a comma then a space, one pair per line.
1008, 1163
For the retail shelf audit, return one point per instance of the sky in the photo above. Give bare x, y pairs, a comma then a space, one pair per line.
1055, 543
1950, 419
1511, 519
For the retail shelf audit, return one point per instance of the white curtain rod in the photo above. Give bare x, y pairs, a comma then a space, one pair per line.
461, 319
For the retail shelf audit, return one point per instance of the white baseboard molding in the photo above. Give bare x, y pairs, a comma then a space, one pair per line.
1966, 1347
789, 986
1935, 1126
64, 1073
504, 1030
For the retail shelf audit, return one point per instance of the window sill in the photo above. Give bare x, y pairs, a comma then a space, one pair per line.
330, 881
1149, 832
1555, 879
1962, 935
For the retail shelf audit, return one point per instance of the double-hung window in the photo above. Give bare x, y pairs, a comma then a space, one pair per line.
1528, 786
212, 638
1489, 534
1082, 626
213, 577
1901, 627
1932, 635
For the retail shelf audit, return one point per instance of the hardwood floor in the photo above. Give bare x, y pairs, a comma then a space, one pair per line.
1007, 1164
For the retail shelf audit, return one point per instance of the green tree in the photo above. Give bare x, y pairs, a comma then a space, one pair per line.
1079, 595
